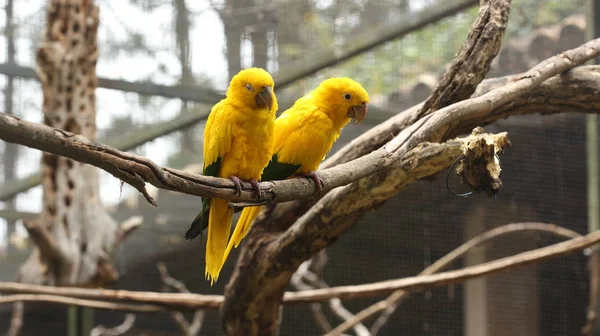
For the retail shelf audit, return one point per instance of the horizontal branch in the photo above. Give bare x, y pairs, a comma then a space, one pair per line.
137, 170
445, 278
192, 93
286, 77
179, 301
98, 304
575, 91
391, 302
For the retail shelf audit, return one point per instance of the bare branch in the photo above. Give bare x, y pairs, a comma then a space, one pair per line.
53, 297
43, 239
190, 329
316, 307
315, 279
592, 317
16, 321
116, 331
127, 227
389, 305
90, 297
446, 278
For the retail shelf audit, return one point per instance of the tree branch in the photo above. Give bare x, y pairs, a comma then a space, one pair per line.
119, 330
389, 305
576, 91
446, 278
43, 239
281, 252
49, 294
179, 301
310, 271
190, 329
16, 320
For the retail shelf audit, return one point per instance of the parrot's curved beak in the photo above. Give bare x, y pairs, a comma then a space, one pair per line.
357, 112
265, 98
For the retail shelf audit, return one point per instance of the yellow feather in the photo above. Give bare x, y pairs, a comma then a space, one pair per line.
219, 224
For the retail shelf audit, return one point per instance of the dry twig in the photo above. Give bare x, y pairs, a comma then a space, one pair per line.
189, 329
50, 295
311, 271
16, 321
592, 317
115, 331
317, 308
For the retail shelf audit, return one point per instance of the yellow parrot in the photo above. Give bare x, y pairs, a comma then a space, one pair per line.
238, 142
304, 134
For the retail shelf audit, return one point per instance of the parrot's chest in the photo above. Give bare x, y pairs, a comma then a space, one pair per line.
250, 151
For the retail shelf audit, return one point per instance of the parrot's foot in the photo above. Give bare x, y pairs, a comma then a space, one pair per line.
238, 184
254, 184
320, 184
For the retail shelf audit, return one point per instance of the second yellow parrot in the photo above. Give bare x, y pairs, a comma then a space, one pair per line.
304, 134
238, 141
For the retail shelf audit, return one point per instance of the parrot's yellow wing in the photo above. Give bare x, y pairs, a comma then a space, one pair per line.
217, 142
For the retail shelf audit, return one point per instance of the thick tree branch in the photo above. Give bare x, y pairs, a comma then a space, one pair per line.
44, 240
473, 60
575, 91
249, 294
179, 301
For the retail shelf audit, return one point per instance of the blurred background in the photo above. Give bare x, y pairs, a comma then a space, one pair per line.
161, 63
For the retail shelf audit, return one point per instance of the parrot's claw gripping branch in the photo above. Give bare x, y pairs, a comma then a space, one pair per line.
256, 188
318, 182
238, 184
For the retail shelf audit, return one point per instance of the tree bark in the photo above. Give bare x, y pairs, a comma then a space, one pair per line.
74, 235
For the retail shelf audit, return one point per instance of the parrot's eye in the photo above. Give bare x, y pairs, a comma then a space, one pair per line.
249, 87
347, 96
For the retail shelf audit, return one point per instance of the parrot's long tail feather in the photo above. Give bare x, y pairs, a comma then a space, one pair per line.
241, 228
219, 225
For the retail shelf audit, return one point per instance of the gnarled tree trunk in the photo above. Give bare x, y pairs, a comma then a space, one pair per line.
74, 235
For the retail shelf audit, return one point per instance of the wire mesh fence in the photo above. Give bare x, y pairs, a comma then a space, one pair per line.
162, 42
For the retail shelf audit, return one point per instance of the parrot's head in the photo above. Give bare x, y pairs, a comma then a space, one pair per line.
346, 97
254, 87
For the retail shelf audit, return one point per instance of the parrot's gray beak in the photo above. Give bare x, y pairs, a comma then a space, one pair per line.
265, 98
357, 112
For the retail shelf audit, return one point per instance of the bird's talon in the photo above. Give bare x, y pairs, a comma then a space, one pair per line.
256, 188
238, 185
318, 181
